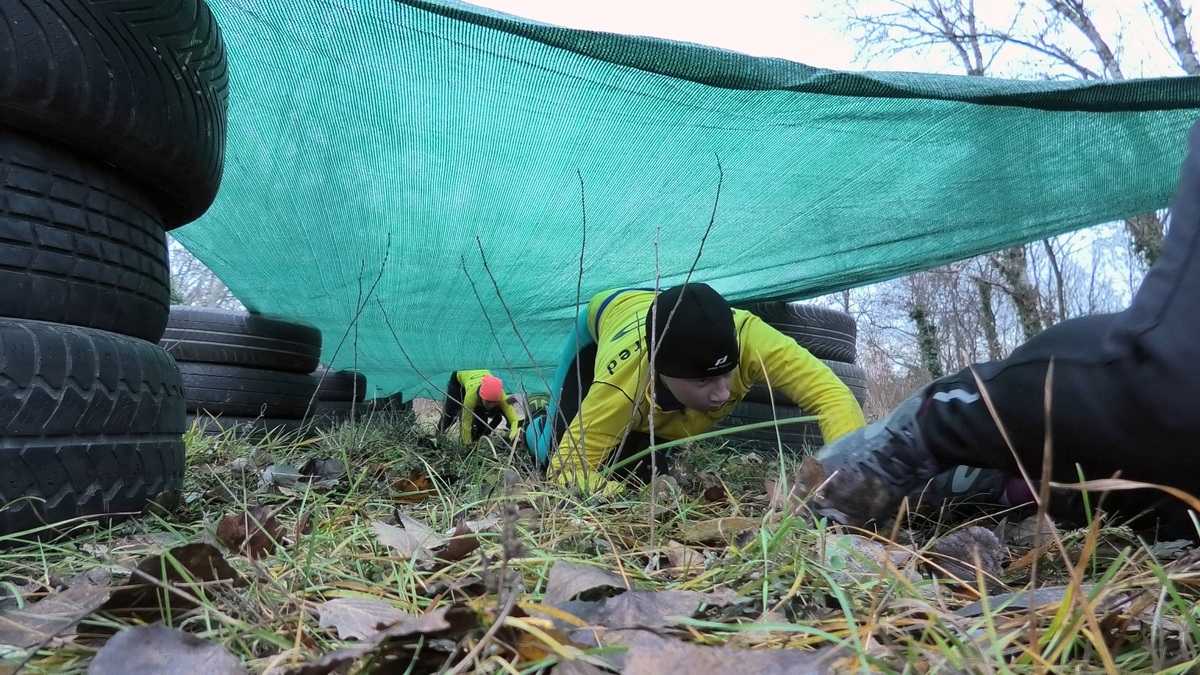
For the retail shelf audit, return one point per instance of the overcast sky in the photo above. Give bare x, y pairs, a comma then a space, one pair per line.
815, 32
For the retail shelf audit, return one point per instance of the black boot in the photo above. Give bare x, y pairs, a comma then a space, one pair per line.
870, 470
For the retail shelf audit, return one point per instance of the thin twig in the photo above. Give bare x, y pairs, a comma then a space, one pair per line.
497, 624
360, 305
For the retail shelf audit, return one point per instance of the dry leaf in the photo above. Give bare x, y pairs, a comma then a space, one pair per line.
721, 530
852, 559
254, 534
323, 469
648, 609
584, 611
683, 558
304, 525
423, 533
716, 494
483, 524
51, 616
414, 487
463, 543
531, 647
412, 643
783, 500
144, 596
412, 541
281, 475
955, 555
400, 540
568, 579
1023, 600
1027, 531
358, 618
163, 651
652, 655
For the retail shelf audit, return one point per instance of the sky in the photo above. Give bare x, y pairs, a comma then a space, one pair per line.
789, 29
815, 32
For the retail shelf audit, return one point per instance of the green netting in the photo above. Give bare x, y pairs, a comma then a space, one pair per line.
419, 164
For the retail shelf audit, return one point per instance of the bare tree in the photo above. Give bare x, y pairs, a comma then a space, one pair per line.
955, 23
192, 283
1062, 36
988, 313
1174, 23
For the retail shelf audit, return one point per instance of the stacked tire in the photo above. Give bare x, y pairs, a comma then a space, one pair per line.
829, 335
246, 371
112, 131
341, 394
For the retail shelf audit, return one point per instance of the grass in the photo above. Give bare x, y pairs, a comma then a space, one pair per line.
800, 585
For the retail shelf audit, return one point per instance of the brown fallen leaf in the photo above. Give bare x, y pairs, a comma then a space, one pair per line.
530, 647
410, 644
461, 544
717, 530
427, 536
1033, 528
414, 487
253, 534
400, 540
568, 580
653, 655
649, 609
683, 558
323, 469
852, 559
716, 494
175, 572
358, 618
414, 540
955, 555
163, 651
52, 616
304, 525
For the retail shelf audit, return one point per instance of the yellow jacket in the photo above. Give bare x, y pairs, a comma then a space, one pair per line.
470, 381
620, 396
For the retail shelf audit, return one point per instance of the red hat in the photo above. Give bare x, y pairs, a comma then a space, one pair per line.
491, 389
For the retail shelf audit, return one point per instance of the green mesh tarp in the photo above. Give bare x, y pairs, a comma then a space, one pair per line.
418, 178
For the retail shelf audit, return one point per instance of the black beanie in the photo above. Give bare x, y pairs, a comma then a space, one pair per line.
700, 340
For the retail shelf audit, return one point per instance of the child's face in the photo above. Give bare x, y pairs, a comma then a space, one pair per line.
705, 393
491, 405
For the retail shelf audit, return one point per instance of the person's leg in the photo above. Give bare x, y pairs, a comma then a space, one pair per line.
644, 468
1122, 392
486, 421
452, 404
973, 486
540, 433
580, 375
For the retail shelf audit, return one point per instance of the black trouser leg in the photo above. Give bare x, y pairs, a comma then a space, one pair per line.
635, 442
452, 405
484, 422
580, 376
578, 383
1124, 390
